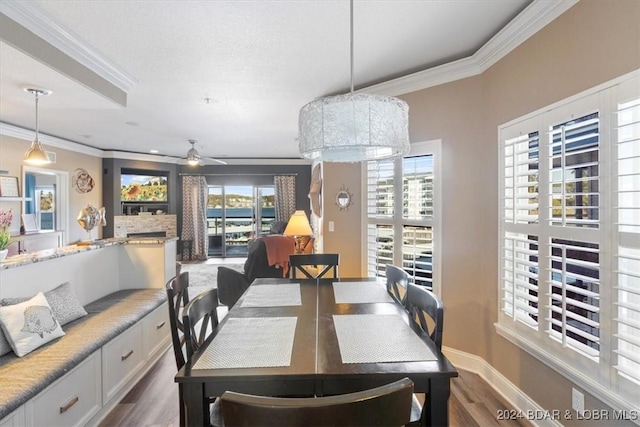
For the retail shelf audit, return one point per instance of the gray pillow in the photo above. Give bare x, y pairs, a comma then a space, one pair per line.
63, 302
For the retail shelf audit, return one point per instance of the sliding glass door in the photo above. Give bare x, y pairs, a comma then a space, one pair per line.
235, 215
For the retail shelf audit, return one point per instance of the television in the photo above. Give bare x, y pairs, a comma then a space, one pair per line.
136, 187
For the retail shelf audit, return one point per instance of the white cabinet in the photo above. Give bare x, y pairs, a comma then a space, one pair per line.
122, 357
14, 419
155, 330
70, 401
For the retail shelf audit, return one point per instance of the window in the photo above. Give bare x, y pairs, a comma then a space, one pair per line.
570, 239
402, 214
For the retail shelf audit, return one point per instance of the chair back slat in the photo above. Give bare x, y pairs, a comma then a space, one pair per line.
328, 262
177, 297
388, 405
200, 317
421, 303
397, 282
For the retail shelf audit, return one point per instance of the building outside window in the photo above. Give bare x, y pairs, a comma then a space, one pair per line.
403, 214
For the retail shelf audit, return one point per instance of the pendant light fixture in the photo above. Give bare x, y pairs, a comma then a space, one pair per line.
353, 127
35, 155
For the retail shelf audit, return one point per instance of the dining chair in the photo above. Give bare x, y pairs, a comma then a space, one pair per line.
427, 310
322, 262
397, 281
200, 317
231, 285
177, 297
388, 405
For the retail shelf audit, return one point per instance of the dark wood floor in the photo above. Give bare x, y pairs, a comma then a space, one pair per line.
154, 401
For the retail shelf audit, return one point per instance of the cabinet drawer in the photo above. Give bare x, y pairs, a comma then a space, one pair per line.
156, 330
70, 401
121, 356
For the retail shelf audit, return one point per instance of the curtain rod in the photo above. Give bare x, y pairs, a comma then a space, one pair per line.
237, 174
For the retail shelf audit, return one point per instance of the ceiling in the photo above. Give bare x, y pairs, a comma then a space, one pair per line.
231, 74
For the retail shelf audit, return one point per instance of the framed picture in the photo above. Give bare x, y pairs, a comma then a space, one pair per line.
29, 222
9, 186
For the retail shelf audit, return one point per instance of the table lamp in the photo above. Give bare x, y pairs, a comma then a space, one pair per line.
298, 226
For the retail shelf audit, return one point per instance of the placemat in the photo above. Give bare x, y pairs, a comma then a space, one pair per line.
254, 342
378, 338
360, 293
272, 295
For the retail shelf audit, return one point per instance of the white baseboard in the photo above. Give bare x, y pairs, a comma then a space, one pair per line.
505, 388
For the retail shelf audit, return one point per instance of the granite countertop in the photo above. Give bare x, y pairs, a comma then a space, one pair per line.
33, 257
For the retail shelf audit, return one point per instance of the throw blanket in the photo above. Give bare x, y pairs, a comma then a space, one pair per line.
278, 250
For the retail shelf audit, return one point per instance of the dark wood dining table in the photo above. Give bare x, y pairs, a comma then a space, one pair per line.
315, 366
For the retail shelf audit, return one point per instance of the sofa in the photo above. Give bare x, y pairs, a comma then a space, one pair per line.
232, 284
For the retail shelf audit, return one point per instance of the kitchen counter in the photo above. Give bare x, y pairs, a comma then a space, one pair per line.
48, 254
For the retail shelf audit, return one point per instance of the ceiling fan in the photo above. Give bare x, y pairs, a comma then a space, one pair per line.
195, 159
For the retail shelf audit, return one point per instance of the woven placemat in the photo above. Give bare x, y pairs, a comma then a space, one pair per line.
272, 295
378, 338
360, 293
251, 343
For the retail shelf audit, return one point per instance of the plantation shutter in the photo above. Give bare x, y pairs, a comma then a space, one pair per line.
627, 253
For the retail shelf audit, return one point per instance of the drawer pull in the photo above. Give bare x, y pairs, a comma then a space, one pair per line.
160, 325
64, 408
126, 356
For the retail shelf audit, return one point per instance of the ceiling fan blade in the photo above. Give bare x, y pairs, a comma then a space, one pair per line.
222, 162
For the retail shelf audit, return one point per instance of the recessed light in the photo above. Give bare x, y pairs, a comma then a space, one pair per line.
132, 123
154, 151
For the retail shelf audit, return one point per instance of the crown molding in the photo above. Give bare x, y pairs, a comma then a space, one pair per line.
531, 20
31, 17
53, 141
48, 140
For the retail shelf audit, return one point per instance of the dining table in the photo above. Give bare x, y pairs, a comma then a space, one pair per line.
299, 337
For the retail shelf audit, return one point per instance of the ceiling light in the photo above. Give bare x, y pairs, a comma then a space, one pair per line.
35, 155
193, 157
354, 127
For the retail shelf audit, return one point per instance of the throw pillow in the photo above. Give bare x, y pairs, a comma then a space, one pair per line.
29, 325
63, 303
5, 347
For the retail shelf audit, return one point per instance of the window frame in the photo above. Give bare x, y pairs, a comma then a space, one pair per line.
599, 377
432, 147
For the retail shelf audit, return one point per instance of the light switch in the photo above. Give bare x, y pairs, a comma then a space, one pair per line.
331, 226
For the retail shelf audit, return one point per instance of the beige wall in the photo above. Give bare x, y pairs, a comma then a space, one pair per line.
11, 153
337, 176
591, 43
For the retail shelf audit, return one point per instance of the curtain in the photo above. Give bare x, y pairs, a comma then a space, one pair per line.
194, 214
285, 196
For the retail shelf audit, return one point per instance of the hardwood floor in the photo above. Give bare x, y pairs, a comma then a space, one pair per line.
154, 401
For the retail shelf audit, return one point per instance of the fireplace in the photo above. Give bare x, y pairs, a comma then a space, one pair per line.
148, 234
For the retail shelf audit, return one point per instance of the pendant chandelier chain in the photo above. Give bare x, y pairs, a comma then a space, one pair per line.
351, 37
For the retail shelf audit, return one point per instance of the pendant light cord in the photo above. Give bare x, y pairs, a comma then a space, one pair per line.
351, 37
36, 93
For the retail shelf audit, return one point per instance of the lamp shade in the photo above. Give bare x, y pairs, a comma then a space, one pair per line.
298, 225
36, 155
354, 128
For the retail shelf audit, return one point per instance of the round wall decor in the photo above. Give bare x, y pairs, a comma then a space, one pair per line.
82, 181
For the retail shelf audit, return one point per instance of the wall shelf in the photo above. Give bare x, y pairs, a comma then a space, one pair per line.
14, 199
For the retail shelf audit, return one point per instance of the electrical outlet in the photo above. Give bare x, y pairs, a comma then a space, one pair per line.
577, 400
332, 226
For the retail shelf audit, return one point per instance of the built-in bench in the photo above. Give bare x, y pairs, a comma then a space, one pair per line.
79, 377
